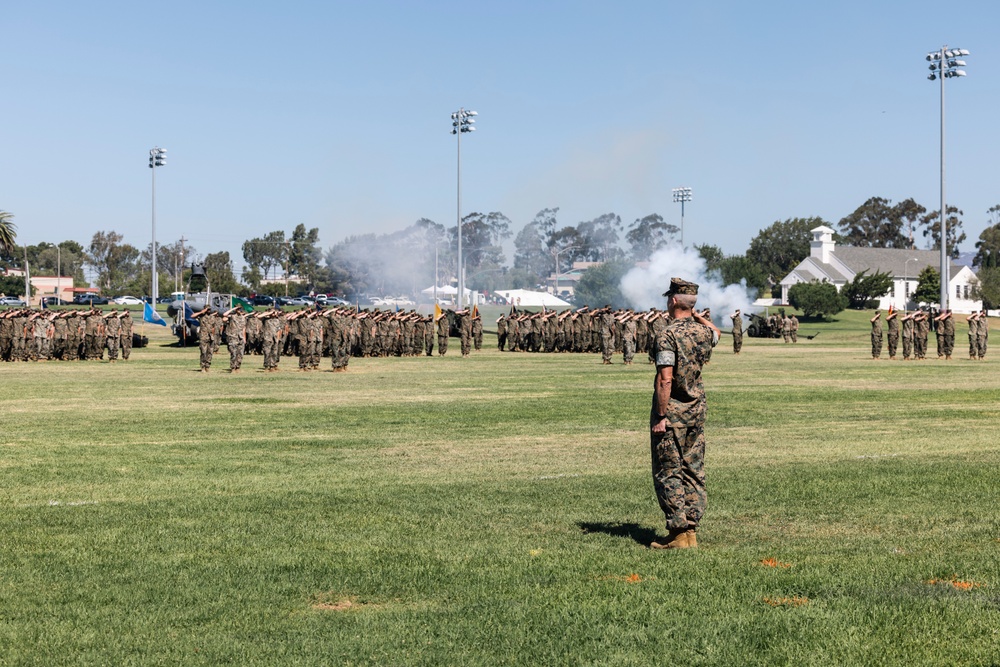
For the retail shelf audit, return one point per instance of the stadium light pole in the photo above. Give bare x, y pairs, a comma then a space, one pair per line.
945, 64
682, 195
157, 158
461, 121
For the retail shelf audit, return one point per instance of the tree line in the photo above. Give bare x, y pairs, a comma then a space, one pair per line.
425, 252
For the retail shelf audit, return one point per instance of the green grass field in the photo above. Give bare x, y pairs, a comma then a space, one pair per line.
496, 510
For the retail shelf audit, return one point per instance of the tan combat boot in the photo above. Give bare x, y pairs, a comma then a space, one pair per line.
676, 539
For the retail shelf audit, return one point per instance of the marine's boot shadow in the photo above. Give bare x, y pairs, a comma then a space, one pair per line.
633, 531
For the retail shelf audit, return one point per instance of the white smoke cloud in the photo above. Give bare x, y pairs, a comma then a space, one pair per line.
643, 287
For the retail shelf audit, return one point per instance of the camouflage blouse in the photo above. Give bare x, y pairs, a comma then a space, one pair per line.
685, 345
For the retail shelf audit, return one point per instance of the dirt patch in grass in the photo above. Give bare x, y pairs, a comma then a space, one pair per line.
339, 602
795, 601
340, 605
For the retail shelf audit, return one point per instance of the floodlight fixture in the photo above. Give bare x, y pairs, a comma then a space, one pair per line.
944, 65
462, 122
157, 158
682, 195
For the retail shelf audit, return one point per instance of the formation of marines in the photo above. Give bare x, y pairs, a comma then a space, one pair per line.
337, 333
914, 330
603, 330
66, 335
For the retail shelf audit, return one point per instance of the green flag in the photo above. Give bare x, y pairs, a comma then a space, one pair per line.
243, 303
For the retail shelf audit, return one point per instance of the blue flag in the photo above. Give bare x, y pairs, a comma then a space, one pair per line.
151, 316
189, 316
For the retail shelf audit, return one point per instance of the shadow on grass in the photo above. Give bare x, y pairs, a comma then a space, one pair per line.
633, 531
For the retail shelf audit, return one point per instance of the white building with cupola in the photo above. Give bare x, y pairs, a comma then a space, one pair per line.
828, 262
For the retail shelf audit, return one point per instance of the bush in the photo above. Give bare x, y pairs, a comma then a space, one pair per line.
864, 289
817, 299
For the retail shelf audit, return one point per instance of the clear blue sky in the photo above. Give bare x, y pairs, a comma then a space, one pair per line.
336, 114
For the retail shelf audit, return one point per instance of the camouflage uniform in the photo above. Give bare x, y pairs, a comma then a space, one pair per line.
429, 335
6, 335
477, 332
657, 325
920, 330
893, 324
795, 328
907, 337
535, 335
628, 340
40, 338
112, 333
442, 334
501, 333
982, 335
606, 323
126, 335
207, 323
877, 336
465, 331
973, 321
513, 333
302, 326
236, 338
678, 455
18, 322
315, 340
94, 336
60, 332
74, 336
255, 335
273, 330
949, 335
737, 333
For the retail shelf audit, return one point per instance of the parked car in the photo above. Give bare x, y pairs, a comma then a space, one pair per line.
296, 301
54, 301
262, 300
337, 301
127, 301
90, 299
11, 301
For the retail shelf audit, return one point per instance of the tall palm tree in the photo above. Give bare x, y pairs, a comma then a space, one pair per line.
8, 232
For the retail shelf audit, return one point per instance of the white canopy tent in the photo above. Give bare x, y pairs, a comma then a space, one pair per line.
451, 292
529, 299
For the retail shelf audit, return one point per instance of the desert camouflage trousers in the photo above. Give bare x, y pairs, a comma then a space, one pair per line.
272, 352
237, 346
607, 347
948, 344
205, 350
628, 350
679, 474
